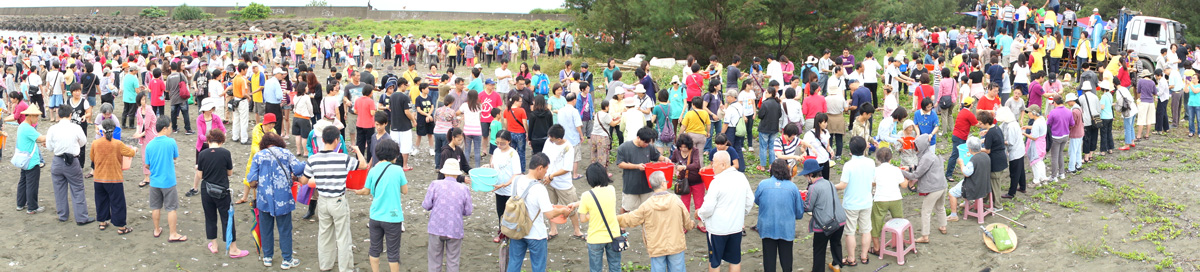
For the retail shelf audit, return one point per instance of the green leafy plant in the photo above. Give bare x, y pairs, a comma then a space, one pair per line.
548, 11
153, 12
317, 3
254, 11
115, 13
1085, 249
185, 12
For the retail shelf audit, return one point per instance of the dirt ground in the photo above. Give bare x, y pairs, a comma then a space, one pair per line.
1152, 223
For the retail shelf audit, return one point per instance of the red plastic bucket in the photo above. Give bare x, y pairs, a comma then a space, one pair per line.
356, 179
706, 175
667, 168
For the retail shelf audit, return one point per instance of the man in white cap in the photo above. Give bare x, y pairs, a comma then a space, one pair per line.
273, 93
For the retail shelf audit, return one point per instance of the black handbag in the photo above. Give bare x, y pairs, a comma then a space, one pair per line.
619, 242
680, 187
216, 191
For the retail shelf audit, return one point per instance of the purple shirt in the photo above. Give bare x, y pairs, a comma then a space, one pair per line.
448, 202
848, 61
1060, 120
1035, 95
1145, 88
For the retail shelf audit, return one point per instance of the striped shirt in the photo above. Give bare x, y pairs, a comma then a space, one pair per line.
330, 169
787, 147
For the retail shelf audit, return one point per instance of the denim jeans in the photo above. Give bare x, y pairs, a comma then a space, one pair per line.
953, 161
187, 123
284, 223
518, 143
1193, 121
1075, 154
714, 128
472, 147
669, 263
537, 254
596, 254
439, 142
766, 148
1129, 129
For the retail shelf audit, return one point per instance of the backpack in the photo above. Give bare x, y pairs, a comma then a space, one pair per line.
515, 223
667, 134
543, 85
183, 89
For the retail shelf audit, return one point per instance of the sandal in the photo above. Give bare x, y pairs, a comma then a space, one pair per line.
866, 260
144, 183
872, 252
242, 253
849, 263
157, 232
182, 238
123, 231
579, 237
103, 226
240, 201
943, 230
213, 248
922, 240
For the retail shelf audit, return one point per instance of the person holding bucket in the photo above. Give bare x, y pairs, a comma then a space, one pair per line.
687, 163
386, 185
107, 154
507, 162
328, 170
271, 173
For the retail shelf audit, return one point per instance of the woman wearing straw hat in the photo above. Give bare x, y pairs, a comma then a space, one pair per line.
448, 200
28, 139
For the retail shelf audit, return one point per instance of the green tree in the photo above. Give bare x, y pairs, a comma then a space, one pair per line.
185, 12
153, 12
254, 11
317, 3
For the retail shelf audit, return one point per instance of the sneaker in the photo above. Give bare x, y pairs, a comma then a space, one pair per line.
288, 265
20, 208
192, 192
189, 133
998, 209
38, 210
431, 152
952, 218
266, 261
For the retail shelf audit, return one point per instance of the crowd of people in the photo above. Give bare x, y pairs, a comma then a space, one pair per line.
1007, 107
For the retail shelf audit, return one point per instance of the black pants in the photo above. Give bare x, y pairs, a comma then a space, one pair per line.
39, 100
106, 98
750, 138
781, 248
110, 203
326, 61
1090, 134
312, 209
277, 109
1160, 116
874, 94
187, 122
158, 110
537, 145
27, 188
215, 208
1106, 136
834, 241
363, 137
837, 141
614, 131
1016, 175
128, 114
500, 201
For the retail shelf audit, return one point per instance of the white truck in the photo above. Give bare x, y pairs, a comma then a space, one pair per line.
1145, 35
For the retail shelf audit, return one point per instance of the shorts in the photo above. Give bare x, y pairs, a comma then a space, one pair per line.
1145, 113
578, 152
55, 101
404, 139
164, 198
301, 127
562, 197
858, 221
258, 108
630, 202
956, 191
726, 248
424, 128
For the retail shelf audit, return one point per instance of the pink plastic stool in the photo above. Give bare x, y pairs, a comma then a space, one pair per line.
896, 229
979, 211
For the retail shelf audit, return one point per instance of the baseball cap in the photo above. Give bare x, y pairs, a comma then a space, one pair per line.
269, 118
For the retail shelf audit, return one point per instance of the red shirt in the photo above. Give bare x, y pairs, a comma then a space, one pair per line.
922, 92
363, 107
514, 118
963, 123
694, 82
156, 86
20, 107
813, 104
989, 104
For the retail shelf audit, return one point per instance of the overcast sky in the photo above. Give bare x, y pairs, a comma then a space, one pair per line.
521, 6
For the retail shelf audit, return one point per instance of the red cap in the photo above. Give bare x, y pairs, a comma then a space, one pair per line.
269, 118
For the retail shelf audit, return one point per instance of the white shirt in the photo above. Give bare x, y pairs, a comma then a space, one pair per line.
733, 117
503, 85
791, 111
747, 100
818, 145
632, 120
775, 71
891, 77
65, 137
870, 71
887, 182
55, 80
836, 86
730, 199
537, 202
561, 158
507, 165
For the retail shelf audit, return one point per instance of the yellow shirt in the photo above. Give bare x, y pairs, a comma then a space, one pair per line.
256, 136
1114, 66
954, 62
597, 233
1101, 51
1083, 50
695, 121
1057, 51
299, 48
1037, 60
255, 84
413, 87
452, 49
1051, 18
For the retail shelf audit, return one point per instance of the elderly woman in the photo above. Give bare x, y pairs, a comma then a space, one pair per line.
664, 221
271, 172
931, 186
976, 184
107, 154
779, 206
828, 217
216, 164
207, 120
1015, 145
1036, 143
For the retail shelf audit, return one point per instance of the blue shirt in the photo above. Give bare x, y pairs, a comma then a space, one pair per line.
996, 74
272, 92
476, 84
274, 168
160, 158
1106, 106
734, 155
129, 86
860, 96
779, 206
387, 205
859, 174
926, 122
569, 118
27, 141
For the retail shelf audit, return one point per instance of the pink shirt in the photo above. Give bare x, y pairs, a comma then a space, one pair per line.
486, 103
946, 87
813, 104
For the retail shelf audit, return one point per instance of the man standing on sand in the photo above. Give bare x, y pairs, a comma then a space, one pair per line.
537, 203
632, 157
327, 170
241, 95
161, 154
65, 139
729, 199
